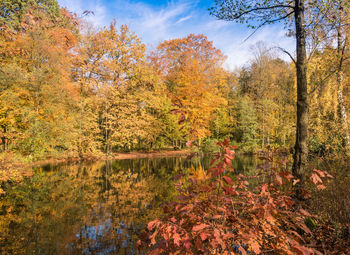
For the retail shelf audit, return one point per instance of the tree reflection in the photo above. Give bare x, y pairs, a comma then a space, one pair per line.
88, 208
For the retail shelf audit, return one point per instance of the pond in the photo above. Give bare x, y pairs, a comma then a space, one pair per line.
91, 208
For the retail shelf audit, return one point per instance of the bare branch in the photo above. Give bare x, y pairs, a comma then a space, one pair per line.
267, 22
285, 51
262, 8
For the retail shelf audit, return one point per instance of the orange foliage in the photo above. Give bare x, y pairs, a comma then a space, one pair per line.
192, 69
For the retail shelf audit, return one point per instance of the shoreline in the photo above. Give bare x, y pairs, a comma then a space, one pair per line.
10, 164
151, 154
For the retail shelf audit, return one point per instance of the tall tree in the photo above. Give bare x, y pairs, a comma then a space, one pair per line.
191, 68
14, 12
36, 104
269, 12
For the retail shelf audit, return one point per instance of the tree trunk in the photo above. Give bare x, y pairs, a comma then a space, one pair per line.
341, 44
301, 147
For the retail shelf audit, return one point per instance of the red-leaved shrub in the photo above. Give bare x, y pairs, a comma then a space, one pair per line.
232, 214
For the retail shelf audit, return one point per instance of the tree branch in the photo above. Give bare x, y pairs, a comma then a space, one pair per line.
267, 22
261, 9
285, 51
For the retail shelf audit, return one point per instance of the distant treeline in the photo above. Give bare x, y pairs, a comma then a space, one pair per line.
66, 87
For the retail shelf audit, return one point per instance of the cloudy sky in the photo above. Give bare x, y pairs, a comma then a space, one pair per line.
156, 20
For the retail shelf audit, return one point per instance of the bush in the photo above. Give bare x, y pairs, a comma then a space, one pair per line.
209, 145
232, 214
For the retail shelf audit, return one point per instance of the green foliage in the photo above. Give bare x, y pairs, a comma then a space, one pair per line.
209, 145
247, 124
13, 12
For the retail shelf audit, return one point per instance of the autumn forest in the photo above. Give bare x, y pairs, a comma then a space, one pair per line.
72, 91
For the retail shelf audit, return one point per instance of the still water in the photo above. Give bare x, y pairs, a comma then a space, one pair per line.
91, 208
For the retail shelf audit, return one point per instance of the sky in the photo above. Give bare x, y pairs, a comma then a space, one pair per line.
155, 21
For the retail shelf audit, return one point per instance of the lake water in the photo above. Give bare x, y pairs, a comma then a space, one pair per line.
91, 208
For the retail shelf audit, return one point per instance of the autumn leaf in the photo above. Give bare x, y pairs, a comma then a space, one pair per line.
295, 182
228, 180
177, 238
199, 227
203, 236
152, 224
255, 247
315, 178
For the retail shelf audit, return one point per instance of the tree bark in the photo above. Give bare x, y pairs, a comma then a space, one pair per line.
301, 146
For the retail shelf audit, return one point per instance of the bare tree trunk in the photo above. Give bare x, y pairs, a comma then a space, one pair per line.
301, 146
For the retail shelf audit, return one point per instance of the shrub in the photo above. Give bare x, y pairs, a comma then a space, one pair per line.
232, 214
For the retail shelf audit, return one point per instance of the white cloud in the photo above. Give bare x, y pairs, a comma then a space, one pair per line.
179, 18
183, 19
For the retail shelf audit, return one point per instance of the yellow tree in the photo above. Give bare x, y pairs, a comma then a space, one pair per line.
129, 96
35, 105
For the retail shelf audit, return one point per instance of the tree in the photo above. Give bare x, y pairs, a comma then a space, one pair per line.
247, 124
269, 12
35, 105
335, 28
191, 69
111, 69
13, 12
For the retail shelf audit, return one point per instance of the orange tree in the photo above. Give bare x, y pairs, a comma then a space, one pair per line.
192, 69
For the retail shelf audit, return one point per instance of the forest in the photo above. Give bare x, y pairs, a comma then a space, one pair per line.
69, 89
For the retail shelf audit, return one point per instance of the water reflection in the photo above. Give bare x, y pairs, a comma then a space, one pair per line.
91, 207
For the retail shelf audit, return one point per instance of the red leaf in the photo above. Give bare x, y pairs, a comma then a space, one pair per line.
228, 190
227, 161
315, 178
187, 245
177, 239
152, 224
199, 227
296, 181
203, 236
228, 180
226, 142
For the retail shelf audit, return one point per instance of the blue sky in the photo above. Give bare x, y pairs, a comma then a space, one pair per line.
155, 21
